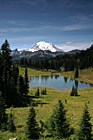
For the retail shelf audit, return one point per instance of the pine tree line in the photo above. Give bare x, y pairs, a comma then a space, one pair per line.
66, 62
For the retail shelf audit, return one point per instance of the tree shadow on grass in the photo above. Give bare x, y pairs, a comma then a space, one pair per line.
29, 101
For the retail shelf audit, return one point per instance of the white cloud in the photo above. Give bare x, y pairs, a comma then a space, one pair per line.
27, 38
69, 27
15, 29
25, 45
13, 22
35, 2
79, 18
61, 28
5, 30
68, 42
68, 47
75, 27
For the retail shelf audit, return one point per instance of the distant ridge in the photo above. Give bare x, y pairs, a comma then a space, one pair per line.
74, 51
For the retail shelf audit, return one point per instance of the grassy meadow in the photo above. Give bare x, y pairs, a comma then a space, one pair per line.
45, 107
85, 75
46, 103
35, 72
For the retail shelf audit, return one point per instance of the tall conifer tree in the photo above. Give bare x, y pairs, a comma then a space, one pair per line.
85, 131
26, 82
20, 86
3, 115
76, 73
6, 70
5, 54
31, 127
58, 124
11, 126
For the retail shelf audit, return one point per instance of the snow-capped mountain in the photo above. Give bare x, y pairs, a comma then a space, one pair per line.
44, 47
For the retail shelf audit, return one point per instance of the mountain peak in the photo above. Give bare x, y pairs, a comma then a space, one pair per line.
44, 46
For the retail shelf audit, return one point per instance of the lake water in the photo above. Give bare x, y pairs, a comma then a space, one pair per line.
57, 82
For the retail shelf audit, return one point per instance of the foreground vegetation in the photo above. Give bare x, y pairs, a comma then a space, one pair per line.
46, 103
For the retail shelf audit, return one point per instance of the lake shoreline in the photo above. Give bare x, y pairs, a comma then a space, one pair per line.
58, 89
85, 75
58, 82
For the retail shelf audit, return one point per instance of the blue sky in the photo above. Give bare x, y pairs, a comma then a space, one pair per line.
68, 24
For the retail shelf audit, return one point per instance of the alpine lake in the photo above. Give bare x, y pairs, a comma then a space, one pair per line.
57, 82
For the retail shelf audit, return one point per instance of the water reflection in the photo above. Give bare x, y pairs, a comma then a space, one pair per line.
76, 84
71, 79
44, 78
65, 79
58, 82
51, 76
81, 82
91, 85
56, 76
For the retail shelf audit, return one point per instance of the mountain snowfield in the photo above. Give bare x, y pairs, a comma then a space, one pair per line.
44, 46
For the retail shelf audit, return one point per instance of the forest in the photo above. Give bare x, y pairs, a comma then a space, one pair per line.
64, 62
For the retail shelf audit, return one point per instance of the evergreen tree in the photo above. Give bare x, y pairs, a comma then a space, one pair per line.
3, 115
0, 62
11, 126
42, 129
65, 79
26, 82
43, 92
20, 90
15, 73
31, 127
13, 94
17, 70
76, 84
20, 86
37, 92
66, 62
72, 92
1, 74
75, 92
85, 131
76, 73
6, 70
11, 84
5, 54
58, 124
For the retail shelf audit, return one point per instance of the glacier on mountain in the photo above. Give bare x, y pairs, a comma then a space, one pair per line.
44, 47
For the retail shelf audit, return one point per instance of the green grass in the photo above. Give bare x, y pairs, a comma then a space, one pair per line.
74, 109
74, 105
85, 75
35, 72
